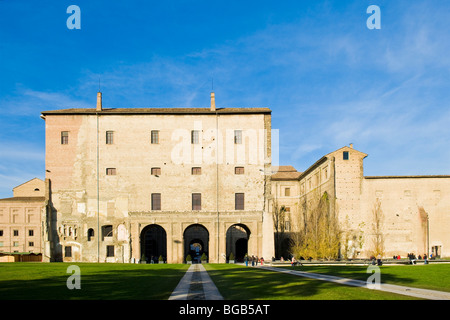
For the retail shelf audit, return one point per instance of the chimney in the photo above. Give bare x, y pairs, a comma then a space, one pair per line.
213, 102
99, 101
351, 145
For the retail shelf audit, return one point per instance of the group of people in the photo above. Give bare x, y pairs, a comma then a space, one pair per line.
254, 260
412, 258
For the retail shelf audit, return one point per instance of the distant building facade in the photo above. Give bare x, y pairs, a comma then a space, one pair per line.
21, 219
413, 211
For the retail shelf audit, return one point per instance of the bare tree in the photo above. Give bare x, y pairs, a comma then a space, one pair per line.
279, 218
377, 228
319, 233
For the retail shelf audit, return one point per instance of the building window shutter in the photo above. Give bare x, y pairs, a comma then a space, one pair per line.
156, 201
196, 201
239, 201
64, 137
155, 137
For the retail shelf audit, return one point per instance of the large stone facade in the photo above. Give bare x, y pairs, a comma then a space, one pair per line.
133, 184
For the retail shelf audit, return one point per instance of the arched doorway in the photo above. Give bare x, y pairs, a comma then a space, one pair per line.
237, 241
196, 242
153, 243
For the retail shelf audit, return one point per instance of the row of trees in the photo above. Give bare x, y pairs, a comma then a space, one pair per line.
319, 233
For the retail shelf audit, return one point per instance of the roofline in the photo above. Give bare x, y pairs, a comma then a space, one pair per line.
311, 168
407, 177
157, 111
27, 182
24, 199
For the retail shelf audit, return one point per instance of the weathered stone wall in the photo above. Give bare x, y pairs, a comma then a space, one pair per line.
79, 190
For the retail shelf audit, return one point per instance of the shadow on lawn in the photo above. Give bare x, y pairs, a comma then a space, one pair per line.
355, 272
141, 283
244, 283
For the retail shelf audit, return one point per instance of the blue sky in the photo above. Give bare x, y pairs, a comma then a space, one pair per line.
329, 80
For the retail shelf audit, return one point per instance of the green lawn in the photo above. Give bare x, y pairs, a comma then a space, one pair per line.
237, 282
431, 276
98, 281
42, 281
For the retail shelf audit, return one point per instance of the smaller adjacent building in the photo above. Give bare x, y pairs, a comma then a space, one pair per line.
21, 222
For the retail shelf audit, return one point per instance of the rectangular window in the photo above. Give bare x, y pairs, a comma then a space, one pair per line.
195, 136
109, 137
239, 170
196, 201
238, 201
64, 137
31, 233
196, 170
110, 171
31, 244
238, 136
1, 233
107, 231
16, 233
345, 155
287, 192
110, 251
155, 137
156, 171
156, 201
68, 252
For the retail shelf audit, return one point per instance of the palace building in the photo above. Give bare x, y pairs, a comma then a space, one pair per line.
129, 185
139, 184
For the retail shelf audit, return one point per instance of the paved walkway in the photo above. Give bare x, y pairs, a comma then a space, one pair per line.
196, 284
409, 291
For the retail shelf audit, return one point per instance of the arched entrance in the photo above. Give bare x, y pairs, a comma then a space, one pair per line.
196, 242
153, 243
237, 241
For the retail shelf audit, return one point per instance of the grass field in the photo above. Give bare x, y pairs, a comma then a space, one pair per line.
98, 281
431, 276
247, 283
45, 281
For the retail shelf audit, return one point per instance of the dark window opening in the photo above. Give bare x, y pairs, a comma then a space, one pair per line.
68, 252
90, 234
110, 251
107, 231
